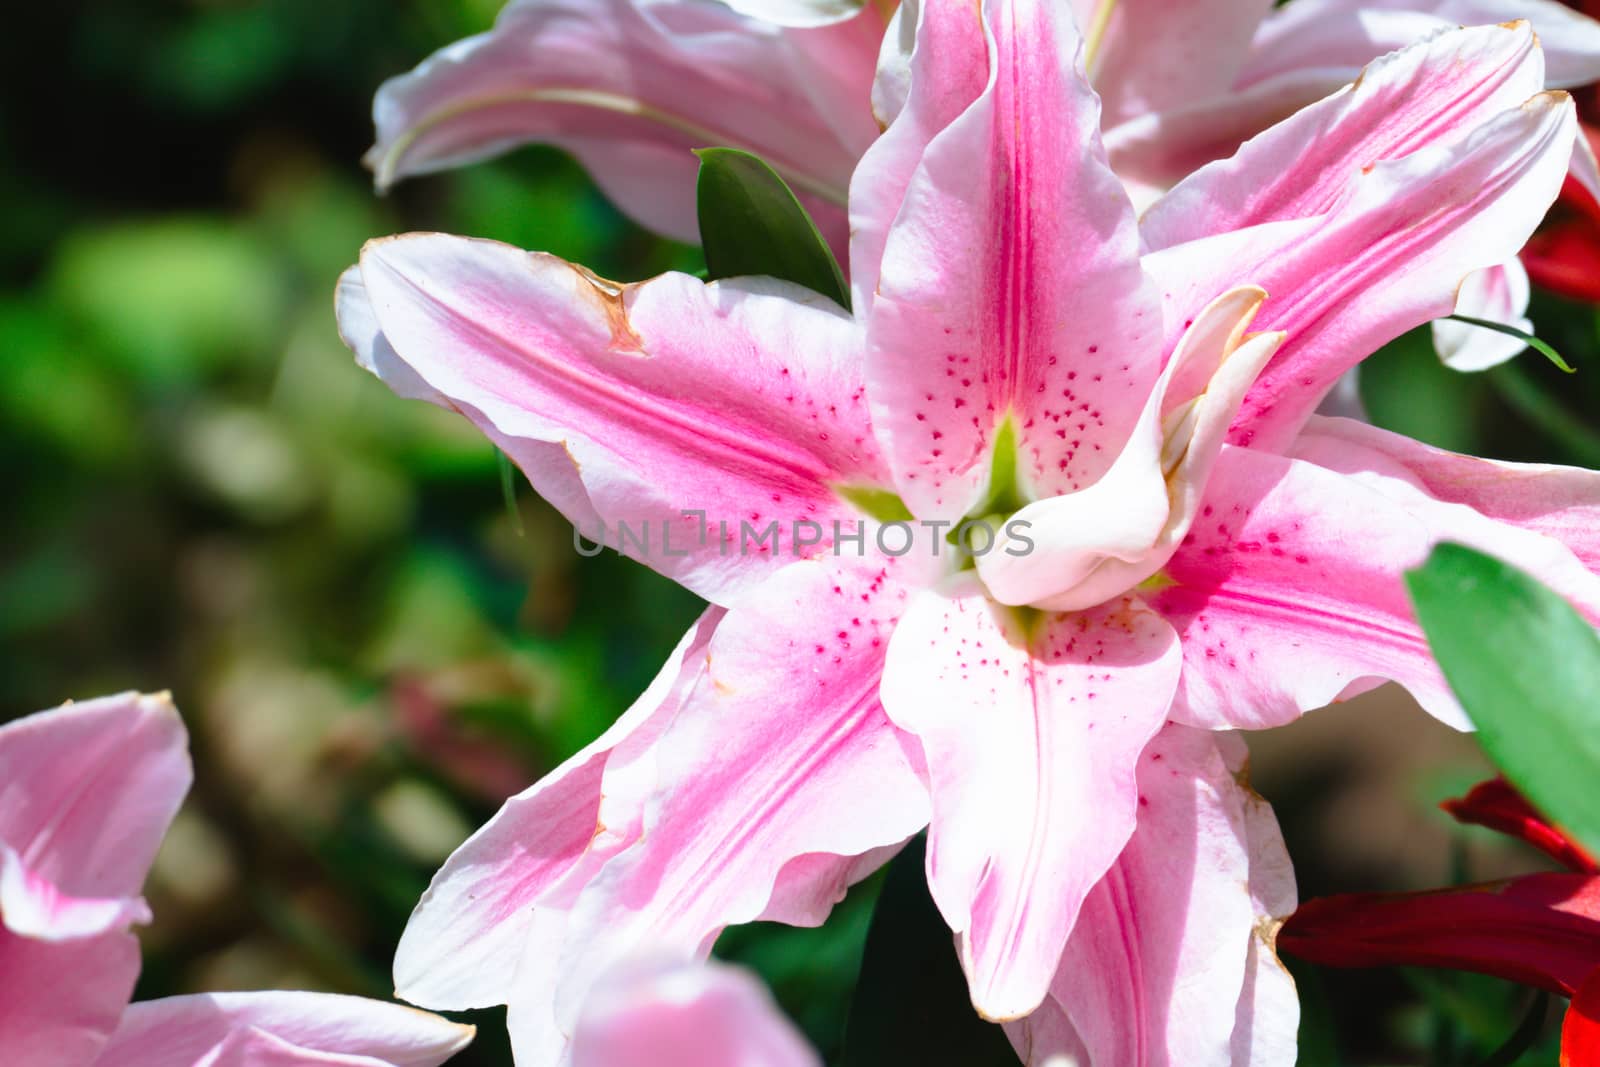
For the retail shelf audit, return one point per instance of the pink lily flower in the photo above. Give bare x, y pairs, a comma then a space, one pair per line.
1205, 551
666, 1013
86, 793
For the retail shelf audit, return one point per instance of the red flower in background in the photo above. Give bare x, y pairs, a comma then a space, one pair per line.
1564, 256
1538, 929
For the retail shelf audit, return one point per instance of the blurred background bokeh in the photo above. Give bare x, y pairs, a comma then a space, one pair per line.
371, 647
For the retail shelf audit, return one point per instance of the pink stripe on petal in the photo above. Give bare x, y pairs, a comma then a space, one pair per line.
1011, 288
469, 931
1289, 592
1435, 92
781, 753
741, 400
1562, 503
1162, 958
1388, 258
1031, 742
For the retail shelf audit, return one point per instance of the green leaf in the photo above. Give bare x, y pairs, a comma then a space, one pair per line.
751, 223
1526, 667
911, 1003
1544, 349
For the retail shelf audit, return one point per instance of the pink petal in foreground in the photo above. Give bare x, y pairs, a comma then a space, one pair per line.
693, 413
630, 89
1293, 563
1164, 955
780, 779
1387, 258
1435, 92
1011, 289
1562, 503
685, 1015
246, 1029
482, 911
1031, 733
87, 791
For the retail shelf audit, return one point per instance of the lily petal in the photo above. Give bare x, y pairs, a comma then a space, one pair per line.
1147, 55
691, 412
1031, 741
87, 791
1339, 36
933, 65
1500, 807
232, 1029
1011, 289
30, 906
1164, 953
1540, 929
61, 1000
686, 1015
1433, 93
480, 914
1291, 562
1497, 294
630, 88
1337, 291
780, 764
1562, 503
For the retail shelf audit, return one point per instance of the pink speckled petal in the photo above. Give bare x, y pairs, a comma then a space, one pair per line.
1011, 288
279, 1029
1288, 592
685, 1015
486, 906
1031, 741
630, 89
739, 400
779, 765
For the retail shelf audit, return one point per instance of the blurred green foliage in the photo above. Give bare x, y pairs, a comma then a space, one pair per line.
206, 494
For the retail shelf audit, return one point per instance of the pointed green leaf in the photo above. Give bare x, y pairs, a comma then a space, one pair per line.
911, 1003
1526, 667
1544, 348
751, 223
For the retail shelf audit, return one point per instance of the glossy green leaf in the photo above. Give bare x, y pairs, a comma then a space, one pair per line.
751, 223
1526, 667
911, 1003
